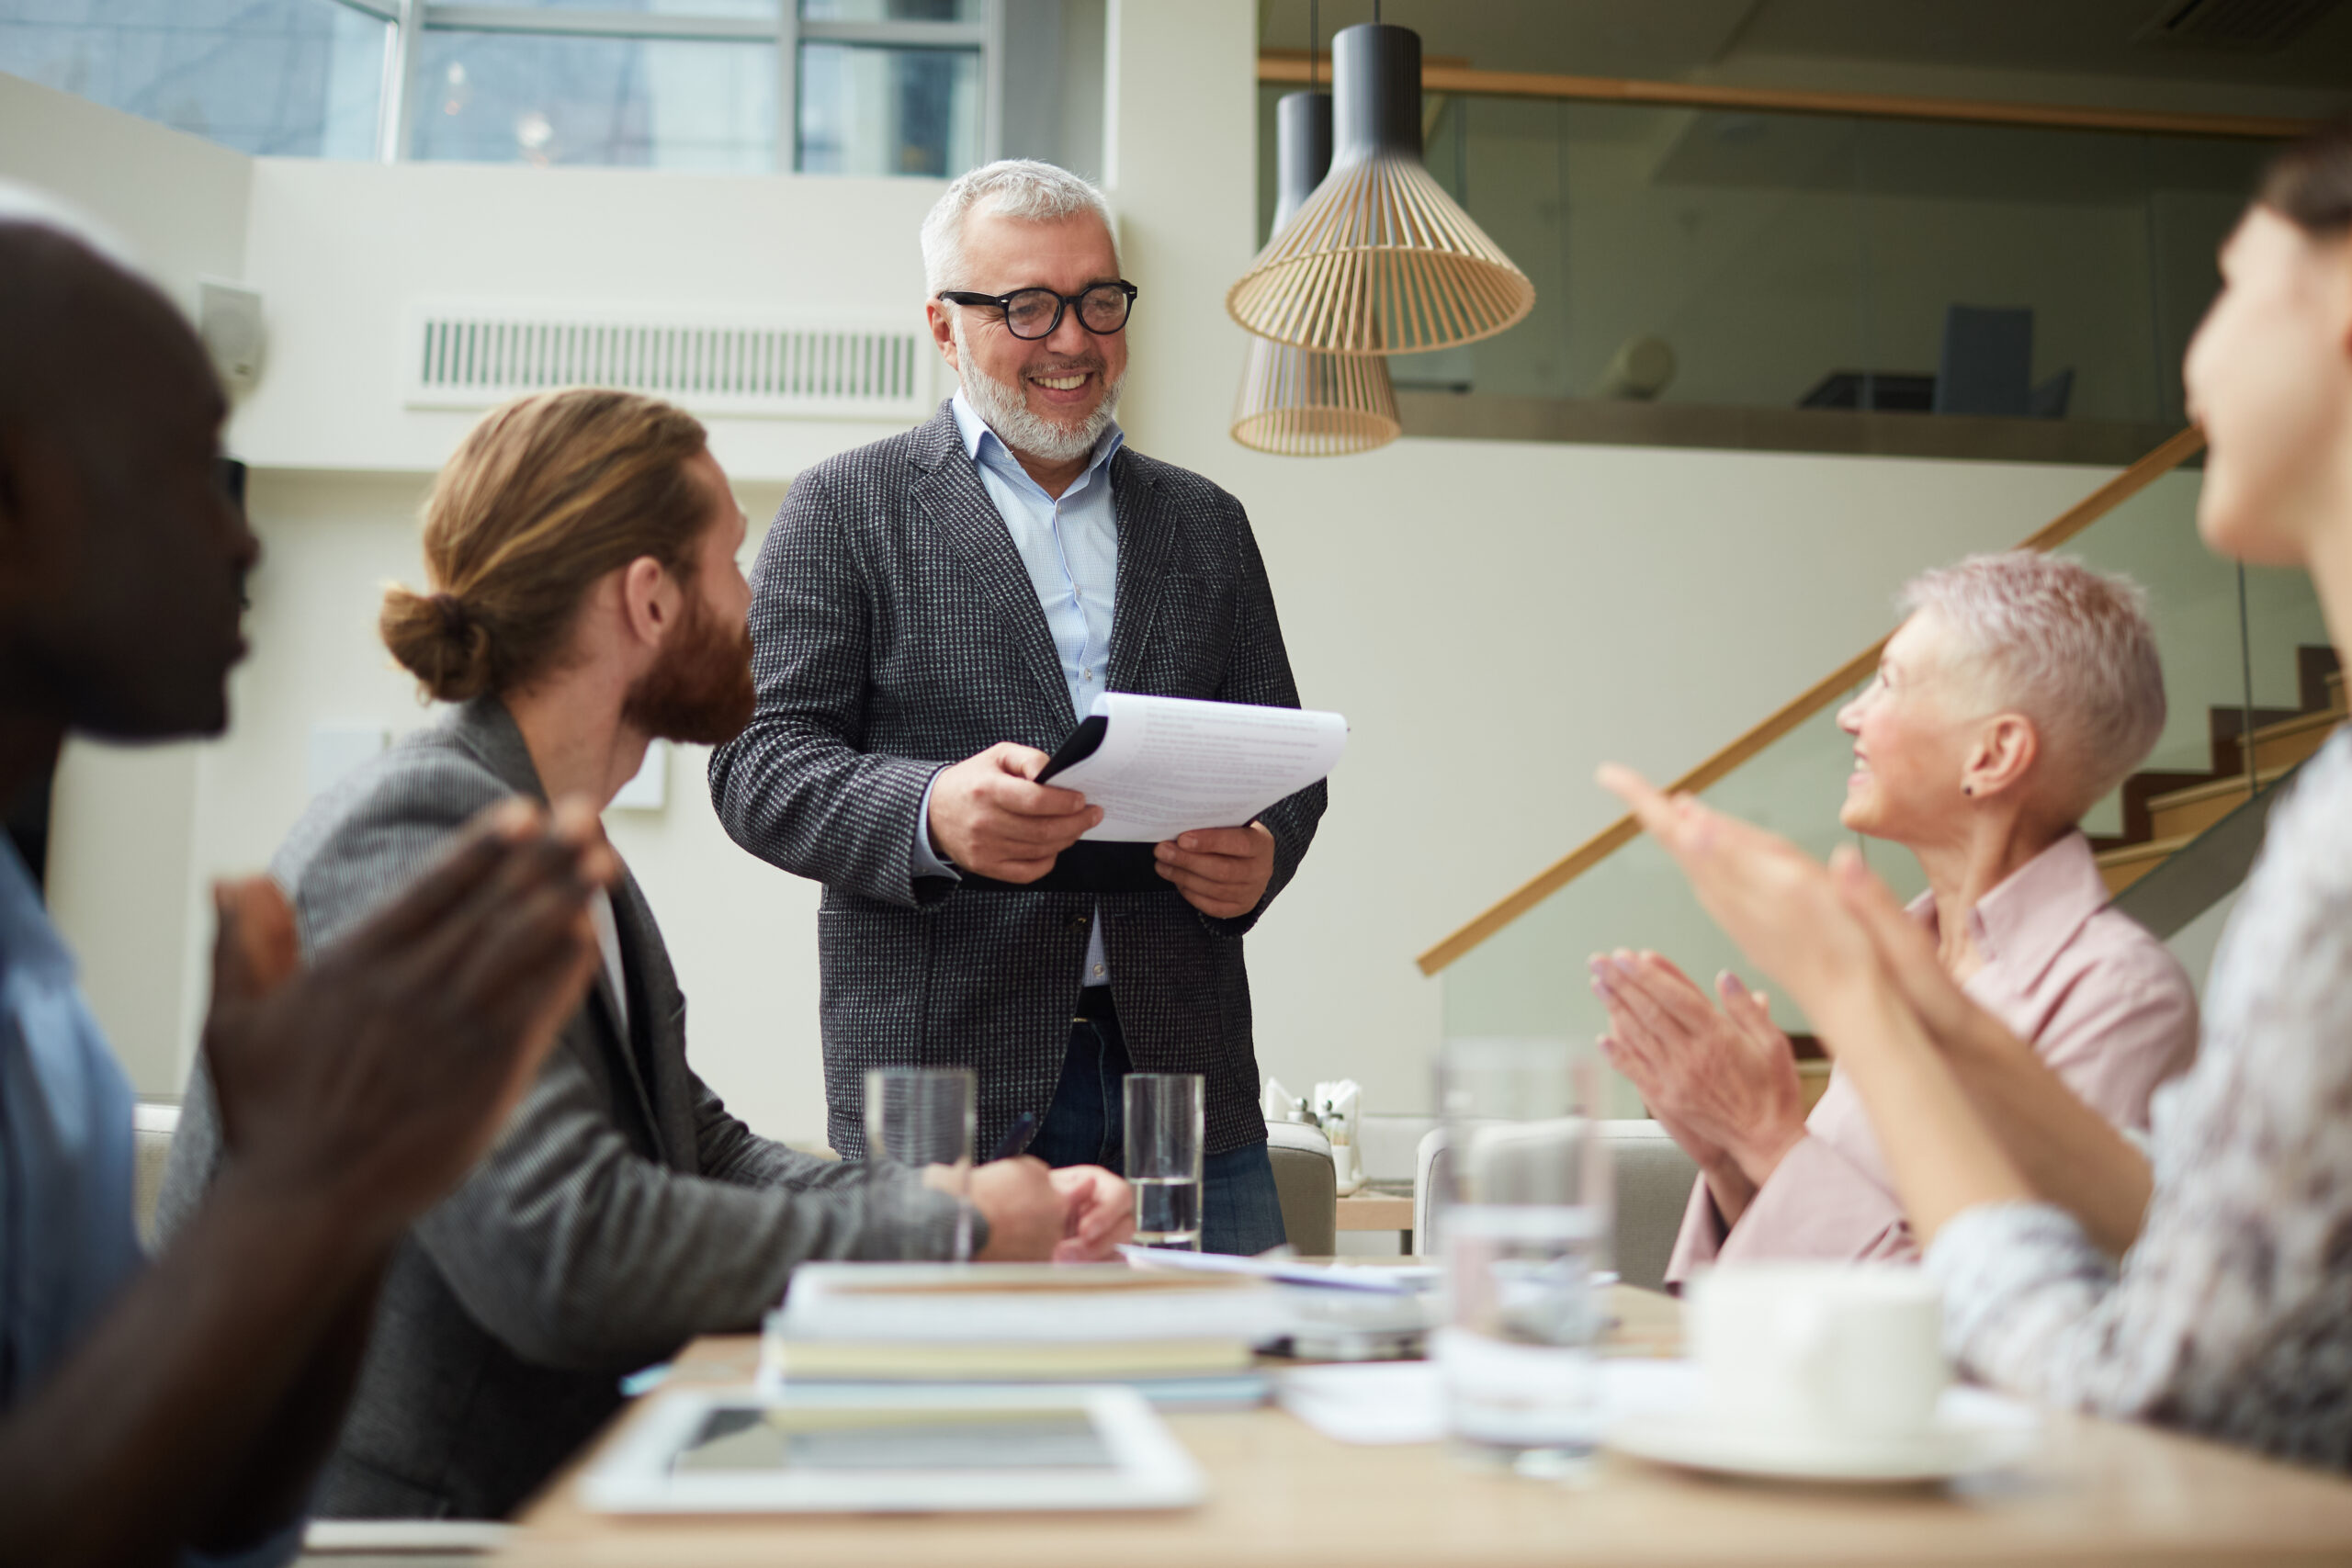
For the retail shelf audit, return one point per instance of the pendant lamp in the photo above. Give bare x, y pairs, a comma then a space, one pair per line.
1380, 260
1295, 403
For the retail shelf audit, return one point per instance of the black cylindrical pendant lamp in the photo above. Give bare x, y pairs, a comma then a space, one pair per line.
1301, 151
1377, 77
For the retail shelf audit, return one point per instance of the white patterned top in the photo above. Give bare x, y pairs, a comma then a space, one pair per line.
2232, 1315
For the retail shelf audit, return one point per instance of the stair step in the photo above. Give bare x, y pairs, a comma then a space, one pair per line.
2336, 690
2184, 813
2120, 868
2284, 744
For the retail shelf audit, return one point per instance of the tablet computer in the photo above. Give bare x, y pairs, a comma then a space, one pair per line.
873, 1448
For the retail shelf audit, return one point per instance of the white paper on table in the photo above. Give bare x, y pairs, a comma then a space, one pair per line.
1381, 1279
1170, 764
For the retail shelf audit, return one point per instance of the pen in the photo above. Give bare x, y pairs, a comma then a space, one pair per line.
1015, 1135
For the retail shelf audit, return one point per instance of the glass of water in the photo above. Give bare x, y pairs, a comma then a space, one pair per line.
1522, 1219
923, 1118
1164, 1122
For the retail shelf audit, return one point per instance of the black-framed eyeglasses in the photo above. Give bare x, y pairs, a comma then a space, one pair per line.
1034, 313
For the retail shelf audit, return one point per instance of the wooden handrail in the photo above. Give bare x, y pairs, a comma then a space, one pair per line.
1811, 700
1291, 69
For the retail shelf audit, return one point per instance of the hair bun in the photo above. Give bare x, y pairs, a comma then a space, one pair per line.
439, 639
454, 619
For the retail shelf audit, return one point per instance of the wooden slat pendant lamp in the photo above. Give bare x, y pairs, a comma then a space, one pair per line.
1379, 260
1295, 403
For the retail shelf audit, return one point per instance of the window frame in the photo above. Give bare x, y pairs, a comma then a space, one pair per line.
408, 19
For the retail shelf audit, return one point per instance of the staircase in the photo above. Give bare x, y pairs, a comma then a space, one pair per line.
2164, 810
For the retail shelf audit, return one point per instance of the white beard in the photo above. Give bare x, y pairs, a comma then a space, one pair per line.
1003, 408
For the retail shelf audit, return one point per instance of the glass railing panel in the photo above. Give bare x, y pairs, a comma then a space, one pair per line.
1531, 978
1817, 262
2194, 605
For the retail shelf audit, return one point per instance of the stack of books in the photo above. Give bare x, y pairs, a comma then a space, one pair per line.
1184, 1340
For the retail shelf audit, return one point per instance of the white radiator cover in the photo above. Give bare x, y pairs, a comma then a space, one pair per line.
728, 363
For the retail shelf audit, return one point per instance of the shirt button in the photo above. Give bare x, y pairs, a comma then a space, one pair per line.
1098, 969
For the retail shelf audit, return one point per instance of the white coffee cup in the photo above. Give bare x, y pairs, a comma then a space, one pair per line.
1818, 1351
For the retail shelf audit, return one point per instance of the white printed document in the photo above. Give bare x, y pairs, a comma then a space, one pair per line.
1160, 766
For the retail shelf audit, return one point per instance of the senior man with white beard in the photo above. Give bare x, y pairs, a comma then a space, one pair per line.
931, 617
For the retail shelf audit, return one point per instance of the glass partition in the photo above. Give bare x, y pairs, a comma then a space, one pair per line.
1796, 262
1530, 978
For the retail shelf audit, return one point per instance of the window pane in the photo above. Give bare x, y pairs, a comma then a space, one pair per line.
651, 103
894, 10
872, 110
297, 78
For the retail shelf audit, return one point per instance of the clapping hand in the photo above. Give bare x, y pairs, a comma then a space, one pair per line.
1781, 908
1723, 1082
382, 1072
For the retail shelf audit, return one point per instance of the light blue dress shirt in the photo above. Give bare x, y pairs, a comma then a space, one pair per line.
68, 1242
1070, 545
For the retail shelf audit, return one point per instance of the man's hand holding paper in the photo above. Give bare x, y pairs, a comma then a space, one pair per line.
1221, 872
989, 816
1161, 767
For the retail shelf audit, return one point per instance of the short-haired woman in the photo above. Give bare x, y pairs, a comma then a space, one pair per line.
2204, 1279
2017, 691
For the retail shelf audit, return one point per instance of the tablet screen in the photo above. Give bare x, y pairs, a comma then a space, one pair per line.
737, 1439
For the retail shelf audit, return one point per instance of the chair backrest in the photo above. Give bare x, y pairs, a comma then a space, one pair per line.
1650, 1178
1654, 1177
1987, 364
1306, 1185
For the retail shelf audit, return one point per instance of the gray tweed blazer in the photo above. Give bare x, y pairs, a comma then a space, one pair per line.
894, 631
623, 1212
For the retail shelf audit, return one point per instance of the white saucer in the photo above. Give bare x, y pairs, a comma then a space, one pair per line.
1979, 1435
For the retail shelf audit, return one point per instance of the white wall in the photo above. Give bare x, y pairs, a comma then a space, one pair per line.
1495, 619
122, 833
340, 250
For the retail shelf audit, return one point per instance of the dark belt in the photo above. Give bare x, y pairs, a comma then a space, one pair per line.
1094, 1006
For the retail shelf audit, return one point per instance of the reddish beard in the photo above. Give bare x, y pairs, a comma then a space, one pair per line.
699, 691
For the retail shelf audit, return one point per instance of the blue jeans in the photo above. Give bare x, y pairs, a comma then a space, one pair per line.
1086, 1125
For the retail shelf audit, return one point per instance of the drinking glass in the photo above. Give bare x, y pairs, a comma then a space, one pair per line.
1523, 1214
1164, 1120
922, 1118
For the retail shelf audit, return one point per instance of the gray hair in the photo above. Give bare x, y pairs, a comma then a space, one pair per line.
2068, 647
1013, 187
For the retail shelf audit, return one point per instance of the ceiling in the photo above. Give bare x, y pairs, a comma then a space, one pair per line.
1677, 39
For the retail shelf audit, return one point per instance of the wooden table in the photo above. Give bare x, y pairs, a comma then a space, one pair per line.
1282, 1496
1372, 1210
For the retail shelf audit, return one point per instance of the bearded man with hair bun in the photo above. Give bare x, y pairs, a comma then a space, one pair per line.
584, 602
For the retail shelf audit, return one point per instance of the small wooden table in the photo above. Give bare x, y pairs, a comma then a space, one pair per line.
1372, 1211
1283, 1496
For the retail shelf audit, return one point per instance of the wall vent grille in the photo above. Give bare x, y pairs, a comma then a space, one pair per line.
733, 364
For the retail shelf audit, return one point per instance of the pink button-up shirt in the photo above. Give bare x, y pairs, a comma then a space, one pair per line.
2100, 1000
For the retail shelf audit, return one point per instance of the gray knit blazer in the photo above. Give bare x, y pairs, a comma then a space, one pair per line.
623, 1212
895, 631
